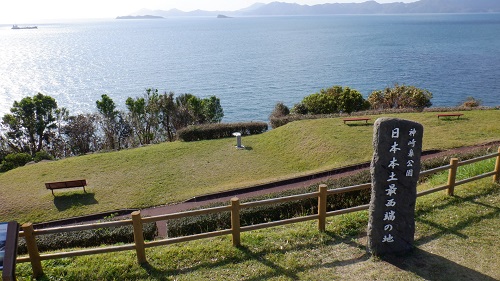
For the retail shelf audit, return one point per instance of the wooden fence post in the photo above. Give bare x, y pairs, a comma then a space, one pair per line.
36, 263
322, 207
235, 221
139, 237
496, 177
452, 175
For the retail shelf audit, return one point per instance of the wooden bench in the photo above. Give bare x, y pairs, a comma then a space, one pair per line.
355, 119
66, 184
450, 115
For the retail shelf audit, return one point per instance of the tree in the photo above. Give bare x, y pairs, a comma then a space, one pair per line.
166, 114
58, 147
212, 110
107, 109
106, 106
123, 130
145, 115
188, 111
4, 147
191, 110
157, 117
81, 133
28, 127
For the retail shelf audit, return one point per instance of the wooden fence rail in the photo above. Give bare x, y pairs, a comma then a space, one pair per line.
139, 245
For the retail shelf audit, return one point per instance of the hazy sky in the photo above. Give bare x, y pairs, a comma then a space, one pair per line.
31, 11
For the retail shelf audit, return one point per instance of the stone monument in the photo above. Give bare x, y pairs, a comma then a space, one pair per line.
395, 169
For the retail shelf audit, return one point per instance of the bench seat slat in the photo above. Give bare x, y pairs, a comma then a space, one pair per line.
356, 119
65, 184
450, 115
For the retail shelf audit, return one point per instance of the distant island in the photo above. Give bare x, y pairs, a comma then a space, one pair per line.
365, 8
146, 17
219, 16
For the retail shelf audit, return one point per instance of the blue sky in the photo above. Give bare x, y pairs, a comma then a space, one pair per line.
31, 11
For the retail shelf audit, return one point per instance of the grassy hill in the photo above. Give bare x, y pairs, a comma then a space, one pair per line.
456, 238
171, 172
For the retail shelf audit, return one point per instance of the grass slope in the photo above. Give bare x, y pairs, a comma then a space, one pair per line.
171, 172
456, 239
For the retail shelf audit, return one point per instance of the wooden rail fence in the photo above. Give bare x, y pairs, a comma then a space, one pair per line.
139, 245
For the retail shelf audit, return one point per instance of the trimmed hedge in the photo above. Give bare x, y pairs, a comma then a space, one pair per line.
88, 238
220, 130
218, 221
262, 214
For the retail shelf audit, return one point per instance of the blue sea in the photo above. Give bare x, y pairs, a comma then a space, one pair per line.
251, 63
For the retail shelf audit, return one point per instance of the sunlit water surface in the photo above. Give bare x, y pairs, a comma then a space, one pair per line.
252, 63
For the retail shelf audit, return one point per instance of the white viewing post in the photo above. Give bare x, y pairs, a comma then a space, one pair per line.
238, 140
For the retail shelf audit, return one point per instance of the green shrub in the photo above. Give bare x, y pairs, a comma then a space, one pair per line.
400, 96
6, 166
15, 160
88, 238
471, 102
220, 130
42, 155
333, 100
280, 110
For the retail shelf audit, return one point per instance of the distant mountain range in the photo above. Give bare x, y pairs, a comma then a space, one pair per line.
368, 7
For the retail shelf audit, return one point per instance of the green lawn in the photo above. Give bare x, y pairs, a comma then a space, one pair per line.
456, 239
171, 172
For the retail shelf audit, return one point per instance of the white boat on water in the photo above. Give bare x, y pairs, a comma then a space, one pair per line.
15, 26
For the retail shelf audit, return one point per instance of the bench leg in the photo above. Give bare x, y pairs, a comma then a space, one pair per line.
84, 189
52, 192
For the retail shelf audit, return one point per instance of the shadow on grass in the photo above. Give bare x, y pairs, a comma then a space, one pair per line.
459, 225
434, 267
259, 257
276, 270
419, 262
359, 124
453, 119
67, 201
161, 275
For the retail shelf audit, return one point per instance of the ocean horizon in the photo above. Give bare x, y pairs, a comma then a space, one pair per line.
251, 63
